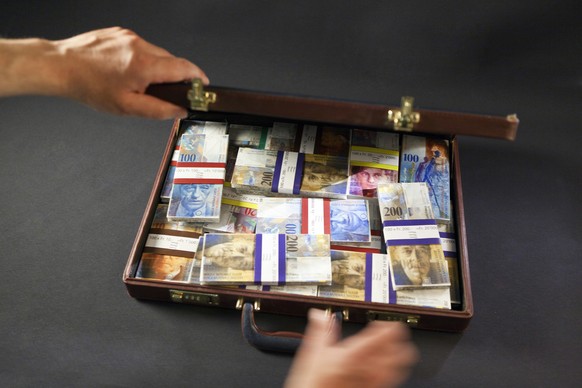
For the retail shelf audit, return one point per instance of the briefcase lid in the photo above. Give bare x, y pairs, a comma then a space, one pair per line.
404, 118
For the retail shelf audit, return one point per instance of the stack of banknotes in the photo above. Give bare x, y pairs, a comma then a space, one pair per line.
189, 127
199, 178
376, 243
265, 259
426, 159
239, 191
412, 238
346, 221
373, 159
170, 248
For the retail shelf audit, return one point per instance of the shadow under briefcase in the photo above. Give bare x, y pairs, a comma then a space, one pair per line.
232, 106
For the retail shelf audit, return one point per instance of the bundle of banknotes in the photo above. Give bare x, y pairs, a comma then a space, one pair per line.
426, 159
265, 259
412, 237
199, 178
346, 221
389, 242
376, 243
367, 277
373, 159
169, 252
189, 127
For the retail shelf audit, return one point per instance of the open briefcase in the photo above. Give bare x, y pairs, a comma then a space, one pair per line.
239, 107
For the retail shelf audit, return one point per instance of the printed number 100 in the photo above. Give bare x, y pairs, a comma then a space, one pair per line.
410, 158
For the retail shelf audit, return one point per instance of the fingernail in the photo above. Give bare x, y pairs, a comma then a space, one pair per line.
317, 315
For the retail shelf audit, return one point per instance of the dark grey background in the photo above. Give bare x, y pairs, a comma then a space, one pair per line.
74, 185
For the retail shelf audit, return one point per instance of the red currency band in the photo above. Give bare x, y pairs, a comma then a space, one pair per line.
375, 232
185, 181
326, 214
201, 164
354, 249
305, 216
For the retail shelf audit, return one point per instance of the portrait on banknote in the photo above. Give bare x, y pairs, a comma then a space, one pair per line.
349, 221
364, 180
164, 267
426, 159
348, 273
418, 266
228, 258
325, 176
194, 200
230, 251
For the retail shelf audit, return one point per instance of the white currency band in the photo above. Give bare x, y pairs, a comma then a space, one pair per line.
288, 173
411, 232
199, 173
380, 278
177, 243
270, 258
315, 216
308, 139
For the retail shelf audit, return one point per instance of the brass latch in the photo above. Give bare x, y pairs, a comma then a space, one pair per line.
241, 301
404, 119
199, 99
189, 297
411, 320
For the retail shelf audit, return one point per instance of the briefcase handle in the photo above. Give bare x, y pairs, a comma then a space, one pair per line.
271, 341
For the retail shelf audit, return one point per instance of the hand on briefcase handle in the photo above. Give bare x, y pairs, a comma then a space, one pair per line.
379, 353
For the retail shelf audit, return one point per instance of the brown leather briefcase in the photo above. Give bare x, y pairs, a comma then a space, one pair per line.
249, 107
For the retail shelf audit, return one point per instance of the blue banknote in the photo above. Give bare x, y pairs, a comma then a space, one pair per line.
349, 221
426, 159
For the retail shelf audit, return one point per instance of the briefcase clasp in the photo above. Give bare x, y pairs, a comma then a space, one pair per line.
405, 118
198, 97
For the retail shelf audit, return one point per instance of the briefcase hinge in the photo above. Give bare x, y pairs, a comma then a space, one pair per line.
189, 297
404, 119
411, 320
199, 99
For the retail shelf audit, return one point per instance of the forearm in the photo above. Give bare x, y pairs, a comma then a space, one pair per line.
108, 69
31, 66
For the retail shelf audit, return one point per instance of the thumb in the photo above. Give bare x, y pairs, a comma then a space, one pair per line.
322, 329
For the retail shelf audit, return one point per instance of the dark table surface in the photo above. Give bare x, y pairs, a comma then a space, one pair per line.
74, 185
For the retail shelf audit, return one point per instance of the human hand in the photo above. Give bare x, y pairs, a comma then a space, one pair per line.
381, 355
110, 69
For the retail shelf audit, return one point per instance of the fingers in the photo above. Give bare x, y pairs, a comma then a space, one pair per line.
137, 104
172, 69
321, 330
386, 345
377, 334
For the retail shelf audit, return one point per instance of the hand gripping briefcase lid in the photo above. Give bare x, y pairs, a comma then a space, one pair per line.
213, 102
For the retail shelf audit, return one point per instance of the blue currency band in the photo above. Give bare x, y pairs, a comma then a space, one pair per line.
298, 174
258, 257
413, 241
282, 261
409, 222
